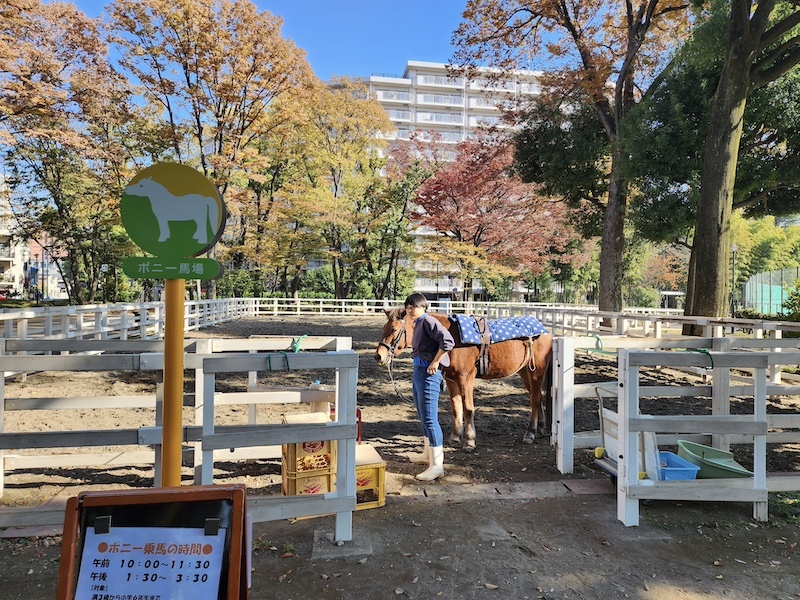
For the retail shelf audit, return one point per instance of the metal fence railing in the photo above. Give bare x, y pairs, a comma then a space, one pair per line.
767, 292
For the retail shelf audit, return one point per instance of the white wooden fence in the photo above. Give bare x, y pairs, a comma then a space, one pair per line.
754, 360
565, 391
146, 320
31, 337
208, 358
631, 489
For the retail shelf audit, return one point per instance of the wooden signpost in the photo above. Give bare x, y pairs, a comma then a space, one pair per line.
174, 213
167, 544
174, 542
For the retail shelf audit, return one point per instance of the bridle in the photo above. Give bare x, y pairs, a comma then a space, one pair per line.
393, 346
391, 350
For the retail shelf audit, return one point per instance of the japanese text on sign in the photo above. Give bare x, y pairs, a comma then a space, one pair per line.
153, 563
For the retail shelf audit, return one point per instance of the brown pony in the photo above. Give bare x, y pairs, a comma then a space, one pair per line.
530, 358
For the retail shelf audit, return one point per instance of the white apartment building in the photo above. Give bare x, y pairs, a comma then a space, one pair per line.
12, 254
26, 269
430, 101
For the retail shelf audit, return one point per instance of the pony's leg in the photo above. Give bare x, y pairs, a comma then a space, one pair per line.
456, 408
469, 413
536, 425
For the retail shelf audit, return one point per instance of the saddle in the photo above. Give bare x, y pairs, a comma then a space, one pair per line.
481, 332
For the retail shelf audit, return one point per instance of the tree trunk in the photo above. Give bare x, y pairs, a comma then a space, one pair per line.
710, 278
613, 244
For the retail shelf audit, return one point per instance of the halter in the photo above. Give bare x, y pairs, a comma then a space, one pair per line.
393, 346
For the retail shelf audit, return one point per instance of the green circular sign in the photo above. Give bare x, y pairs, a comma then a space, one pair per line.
173, 211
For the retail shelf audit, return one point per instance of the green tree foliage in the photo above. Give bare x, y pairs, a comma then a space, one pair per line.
343, 189
762, 46
665, 142
215, 67
560, 131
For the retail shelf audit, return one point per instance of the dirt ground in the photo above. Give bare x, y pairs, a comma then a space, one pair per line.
503, 523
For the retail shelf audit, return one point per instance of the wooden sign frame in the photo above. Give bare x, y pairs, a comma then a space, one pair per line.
179, 509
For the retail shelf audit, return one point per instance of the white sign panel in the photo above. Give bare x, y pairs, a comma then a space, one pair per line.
157, 563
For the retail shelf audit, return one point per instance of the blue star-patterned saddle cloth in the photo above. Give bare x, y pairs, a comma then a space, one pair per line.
500, 330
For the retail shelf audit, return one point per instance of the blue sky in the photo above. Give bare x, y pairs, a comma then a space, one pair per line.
357, 38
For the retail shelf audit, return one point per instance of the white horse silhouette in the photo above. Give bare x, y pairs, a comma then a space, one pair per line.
203, 210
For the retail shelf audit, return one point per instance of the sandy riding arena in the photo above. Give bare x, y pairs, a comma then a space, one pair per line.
502, 524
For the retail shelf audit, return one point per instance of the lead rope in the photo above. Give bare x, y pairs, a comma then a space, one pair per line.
391, 350
394, 383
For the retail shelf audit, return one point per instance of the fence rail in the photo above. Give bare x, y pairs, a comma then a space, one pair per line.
146, 320
208, 358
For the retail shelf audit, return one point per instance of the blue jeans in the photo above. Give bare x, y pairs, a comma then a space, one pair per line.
426, 390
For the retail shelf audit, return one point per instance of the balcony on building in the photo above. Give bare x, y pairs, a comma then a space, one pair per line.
397, 115
442, 118
387, 96
440, 99
440, 81
483, 103
487, 85
6, 252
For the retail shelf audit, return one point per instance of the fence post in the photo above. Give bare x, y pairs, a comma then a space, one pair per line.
206, 468
159, 423
142, 321
721, 392
760, 509
203, 346
563, 402
346, 466
628, 441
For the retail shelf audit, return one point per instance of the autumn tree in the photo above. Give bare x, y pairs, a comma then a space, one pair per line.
215, 67
488, 221
16, 96
272, 234
409, 164
72, 135
763, 45
342, 192
605, 51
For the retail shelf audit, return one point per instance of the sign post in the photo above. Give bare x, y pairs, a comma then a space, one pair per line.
175, 214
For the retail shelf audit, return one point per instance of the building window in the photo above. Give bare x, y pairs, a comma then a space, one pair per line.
399, 115
529, 88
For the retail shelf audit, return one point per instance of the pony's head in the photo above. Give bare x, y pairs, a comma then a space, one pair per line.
396, 336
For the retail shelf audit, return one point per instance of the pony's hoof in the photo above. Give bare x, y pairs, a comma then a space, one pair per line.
528, 438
